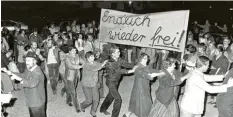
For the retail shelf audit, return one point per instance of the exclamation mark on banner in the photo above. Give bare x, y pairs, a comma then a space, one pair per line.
181, 36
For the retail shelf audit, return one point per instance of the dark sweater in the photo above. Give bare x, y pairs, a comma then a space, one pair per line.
168, 89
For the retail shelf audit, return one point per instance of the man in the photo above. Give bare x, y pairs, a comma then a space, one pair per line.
72, 65
226, 43
196, 31
90, 82
113, 76
53, 61
225, 100
35, 37
219, 62
89, 44
33, 82
210, 52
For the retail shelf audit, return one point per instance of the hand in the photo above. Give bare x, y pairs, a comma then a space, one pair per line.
7, 71
135, 67
212, 67
98, 85
230, 82
154, 74
105, 62
182, 61
37, 52
14, 77
79, 67
4, 69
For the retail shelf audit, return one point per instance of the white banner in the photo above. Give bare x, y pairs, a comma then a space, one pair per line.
164, 30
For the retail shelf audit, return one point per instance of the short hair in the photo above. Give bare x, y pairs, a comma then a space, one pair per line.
67, 35
35, 30
168, 62
191, 48
65, 48
27, 47
21, 30
201, 61
220, 48
141, 56
202, 45
113, 49
88, 54
53, 42
34, 42
89, 34
77, 36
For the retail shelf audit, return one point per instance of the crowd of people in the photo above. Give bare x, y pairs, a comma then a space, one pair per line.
74, 54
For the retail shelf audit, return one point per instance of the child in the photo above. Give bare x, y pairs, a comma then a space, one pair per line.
90, 82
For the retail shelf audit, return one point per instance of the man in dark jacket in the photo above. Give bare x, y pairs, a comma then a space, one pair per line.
34, 89
113, 75
225, 100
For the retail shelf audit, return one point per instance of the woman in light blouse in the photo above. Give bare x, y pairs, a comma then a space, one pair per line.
192, 104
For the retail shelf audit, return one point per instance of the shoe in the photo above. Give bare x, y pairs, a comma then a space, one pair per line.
70, 104
124, 115
78, 111
105, 112
215, 106
83, 110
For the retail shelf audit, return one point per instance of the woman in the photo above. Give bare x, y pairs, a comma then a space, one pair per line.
140, 100
165, 104
79, 44
192, 103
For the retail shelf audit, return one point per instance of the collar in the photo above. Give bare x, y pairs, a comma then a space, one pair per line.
33, 68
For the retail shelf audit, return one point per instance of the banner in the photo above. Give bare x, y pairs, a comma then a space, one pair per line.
164, 30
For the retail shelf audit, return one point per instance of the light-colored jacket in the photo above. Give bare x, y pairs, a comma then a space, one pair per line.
196, 86
88, 47
72, 67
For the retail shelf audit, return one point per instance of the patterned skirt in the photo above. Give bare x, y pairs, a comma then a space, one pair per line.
160, 110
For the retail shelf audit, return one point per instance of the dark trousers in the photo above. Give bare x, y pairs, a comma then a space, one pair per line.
37, 111
100, 79
92, 97
71, 95
21, 66
196, 37
113, 94
53, 75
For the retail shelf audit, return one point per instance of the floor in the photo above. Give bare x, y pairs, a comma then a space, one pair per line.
57, 106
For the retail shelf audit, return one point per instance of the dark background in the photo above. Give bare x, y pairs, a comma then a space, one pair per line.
38, 13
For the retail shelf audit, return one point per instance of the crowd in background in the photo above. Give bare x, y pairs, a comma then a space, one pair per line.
60, 49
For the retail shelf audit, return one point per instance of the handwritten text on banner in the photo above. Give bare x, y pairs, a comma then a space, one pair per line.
164, 30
